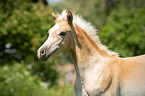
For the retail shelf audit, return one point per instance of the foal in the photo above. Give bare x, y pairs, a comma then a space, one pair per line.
99, 71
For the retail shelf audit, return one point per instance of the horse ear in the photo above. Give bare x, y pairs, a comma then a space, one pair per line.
69, 17
54, 15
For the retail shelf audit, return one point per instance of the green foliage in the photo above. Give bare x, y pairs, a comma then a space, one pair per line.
67, 90
17, 81
24, 28
47, 71
125, 31
90, 10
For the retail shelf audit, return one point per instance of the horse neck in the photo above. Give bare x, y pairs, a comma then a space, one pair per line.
84, 50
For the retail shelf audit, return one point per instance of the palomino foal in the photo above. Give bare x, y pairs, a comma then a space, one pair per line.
99, 71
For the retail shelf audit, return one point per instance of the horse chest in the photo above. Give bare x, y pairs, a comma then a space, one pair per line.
86, 70
95, 78
91, 78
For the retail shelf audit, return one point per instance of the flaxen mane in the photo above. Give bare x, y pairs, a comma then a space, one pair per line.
89, 29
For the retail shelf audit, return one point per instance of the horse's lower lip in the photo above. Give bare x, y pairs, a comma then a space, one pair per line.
45, 58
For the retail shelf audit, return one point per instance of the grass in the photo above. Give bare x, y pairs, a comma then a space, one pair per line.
67, 90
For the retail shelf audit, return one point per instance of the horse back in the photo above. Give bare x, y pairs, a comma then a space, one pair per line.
131, 75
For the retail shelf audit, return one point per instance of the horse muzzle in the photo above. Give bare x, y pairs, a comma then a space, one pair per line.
44, 54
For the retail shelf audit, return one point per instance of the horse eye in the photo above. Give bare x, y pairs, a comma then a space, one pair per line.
62, 33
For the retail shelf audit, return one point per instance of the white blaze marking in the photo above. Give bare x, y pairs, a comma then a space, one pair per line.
54, 28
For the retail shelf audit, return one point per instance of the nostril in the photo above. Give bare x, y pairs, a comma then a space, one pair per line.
43, 53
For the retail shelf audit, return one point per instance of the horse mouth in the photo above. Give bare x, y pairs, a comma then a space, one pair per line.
47, 53
44, 58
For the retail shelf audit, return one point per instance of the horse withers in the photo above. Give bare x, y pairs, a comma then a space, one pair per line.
99, 71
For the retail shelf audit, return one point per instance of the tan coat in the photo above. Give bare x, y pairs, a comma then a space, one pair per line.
99, 71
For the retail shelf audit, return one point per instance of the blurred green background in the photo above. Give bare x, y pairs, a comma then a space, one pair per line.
23, 29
